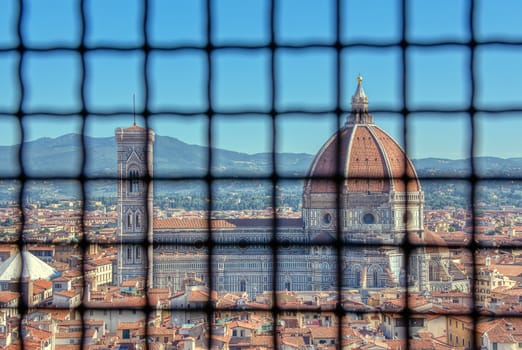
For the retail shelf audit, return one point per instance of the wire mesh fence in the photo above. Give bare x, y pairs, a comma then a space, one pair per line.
207, 243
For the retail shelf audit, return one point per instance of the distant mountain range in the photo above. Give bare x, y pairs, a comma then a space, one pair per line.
63, 157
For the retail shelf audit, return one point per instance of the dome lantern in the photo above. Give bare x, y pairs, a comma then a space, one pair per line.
359, 113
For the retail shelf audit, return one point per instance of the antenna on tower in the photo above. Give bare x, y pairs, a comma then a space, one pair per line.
134, 107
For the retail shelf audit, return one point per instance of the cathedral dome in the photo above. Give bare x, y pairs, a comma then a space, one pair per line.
365, 157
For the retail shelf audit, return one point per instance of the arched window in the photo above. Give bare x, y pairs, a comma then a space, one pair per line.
375, 277
358, 278
134, 180
288, 285
138, 252
242, 286
129, 220
129, 253
354, 276
138, 219
434, 270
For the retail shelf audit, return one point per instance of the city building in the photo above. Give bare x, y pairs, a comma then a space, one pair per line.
361, 200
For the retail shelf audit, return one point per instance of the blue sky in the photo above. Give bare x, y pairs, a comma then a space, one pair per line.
438, 77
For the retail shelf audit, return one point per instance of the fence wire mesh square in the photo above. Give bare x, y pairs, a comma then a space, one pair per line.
209, 113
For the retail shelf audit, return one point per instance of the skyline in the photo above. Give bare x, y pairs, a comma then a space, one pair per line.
291, 130
135, 240
201, 136
438, 76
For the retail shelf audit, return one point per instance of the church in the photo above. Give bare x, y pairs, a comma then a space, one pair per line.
361, 201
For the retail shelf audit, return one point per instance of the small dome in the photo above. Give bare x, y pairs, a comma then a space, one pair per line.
363, 155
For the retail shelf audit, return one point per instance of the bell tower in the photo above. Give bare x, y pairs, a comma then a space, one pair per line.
135, 195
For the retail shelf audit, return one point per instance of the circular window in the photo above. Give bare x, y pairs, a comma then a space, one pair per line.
327, 219
242, 243
369, 218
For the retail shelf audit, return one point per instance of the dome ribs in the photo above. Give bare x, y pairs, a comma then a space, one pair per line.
370, 161
366, 168
400, 166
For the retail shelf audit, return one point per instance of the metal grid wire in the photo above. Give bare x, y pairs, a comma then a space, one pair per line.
210, 49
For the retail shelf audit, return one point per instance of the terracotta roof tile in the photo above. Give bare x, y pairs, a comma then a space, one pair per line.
174, 223
240, 324
509, 270
7, 296
43, 284
369, 160
266, 222
324, 332
134, 128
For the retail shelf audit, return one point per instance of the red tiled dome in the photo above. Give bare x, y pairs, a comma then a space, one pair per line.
369, 159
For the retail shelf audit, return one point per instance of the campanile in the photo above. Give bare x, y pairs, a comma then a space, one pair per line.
135, 195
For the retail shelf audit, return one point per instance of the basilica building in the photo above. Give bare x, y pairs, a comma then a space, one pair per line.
361, 225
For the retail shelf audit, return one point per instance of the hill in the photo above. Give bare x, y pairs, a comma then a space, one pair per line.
173, 159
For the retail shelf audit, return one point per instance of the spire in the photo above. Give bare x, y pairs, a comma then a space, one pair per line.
134, 126
359, 113
134, 108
